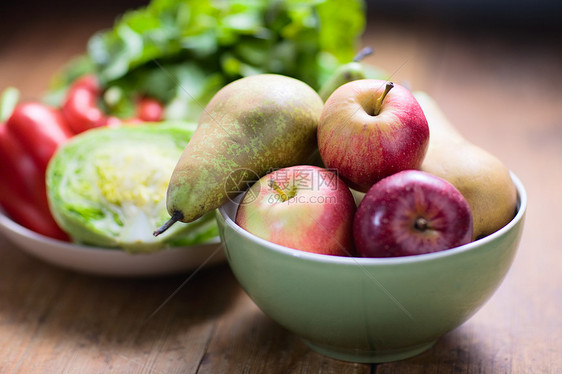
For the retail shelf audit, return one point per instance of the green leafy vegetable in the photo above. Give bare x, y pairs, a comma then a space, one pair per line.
107, 187
183, 51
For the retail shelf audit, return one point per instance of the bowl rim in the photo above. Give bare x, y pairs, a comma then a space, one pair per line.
22, 231
316, 257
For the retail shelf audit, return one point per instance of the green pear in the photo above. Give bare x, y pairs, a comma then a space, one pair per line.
481, 177
351, 71
250, 127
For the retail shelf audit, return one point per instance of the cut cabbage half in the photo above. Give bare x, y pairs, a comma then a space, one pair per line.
107, 187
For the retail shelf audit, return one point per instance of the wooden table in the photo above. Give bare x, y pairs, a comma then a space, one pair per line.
503, 92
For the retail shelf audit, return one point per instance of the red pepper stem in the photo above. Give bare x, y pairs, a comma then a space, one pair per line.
8, 101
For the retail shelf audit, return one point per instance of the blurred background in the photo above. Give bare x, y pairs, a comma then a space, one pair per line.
523, 15
520, 23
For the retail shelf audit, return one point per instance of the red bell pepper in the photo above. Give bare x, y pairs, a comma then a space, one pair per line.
80, 107
25, 213
81, 110
40, 129
23, 194
150, 110
28, 139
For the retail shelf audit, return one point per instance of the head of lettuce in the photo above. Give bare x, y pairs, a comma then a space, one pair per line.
107, 188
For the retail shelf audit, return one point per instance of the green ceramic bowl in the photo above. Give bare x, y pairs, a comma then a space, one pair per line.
367, 309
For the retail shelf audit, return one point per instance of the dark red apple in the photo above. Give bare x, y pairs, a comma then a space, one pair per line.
410, 213
370, 129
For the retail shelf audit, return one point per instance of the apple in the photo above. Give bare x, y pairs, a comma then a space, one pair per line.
370, 129
409, 213
303, 207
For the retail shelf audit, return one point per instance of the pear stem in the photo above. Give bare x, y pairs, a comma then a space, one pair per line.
362, 54
378, 104
176, 216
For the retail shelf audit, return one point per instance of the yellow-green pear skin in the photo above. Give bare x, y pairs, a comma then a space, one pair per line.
481, 177
346, 73
250, 127
351, 71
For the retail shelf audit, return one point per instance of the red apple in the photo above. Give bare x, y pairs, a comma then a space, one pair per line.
370, 129
302, 207
409, 213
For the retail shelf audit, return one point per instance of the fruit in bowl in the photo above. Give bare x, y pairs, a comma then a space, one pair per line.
370, 309
480, 176
370, 129
409, 213
366, 309
251, 126
304, 207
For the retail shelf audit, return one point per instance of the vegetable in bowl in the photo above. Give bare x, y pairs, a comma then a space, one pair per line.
107, 187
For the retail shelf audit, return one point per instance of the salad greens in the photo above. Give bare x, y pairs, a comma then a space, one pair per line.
107, 187
183, 51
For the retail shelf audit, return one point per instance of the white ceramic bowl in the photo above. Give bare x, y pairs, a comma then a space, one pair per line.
111, 262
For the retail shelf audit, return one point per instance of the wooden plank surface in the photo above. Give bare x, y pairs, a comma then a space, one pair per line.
502, 91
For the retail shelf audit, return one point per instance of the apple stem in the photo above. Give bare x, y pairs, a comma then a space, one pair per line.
283, 196
421, 224
378, 104
278, 189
